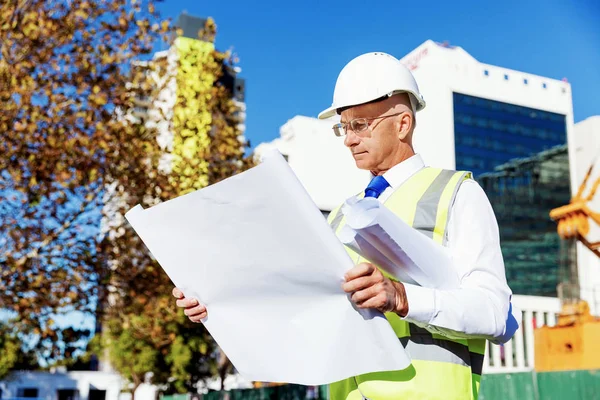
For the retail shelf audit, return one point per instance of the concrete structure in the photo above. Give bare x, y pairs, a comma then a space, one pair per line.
157, 113
442, 70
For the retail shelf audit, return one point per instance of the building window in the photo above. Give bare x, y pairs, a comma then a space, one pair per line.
563, 90
67, 394
505, 77
544, 85
525, 81
27, 392
486, 72
97, 394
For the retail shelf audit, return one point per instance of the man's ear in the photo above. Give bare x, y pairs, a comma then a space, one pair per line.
404, 125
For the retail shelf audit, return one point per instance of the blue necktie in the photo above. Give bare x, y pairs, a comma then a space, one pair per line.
376, 186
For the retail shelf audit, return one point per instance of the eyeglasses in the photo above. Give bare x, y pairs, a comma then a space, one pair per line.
357, 125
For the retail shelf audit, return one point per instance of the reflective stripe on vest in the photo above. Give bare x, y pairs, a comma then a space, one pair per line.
441, 368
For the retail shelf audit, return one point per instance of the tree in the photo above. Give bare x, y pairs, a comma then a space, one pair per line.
143, 330
65, 75
12, 355
159, 341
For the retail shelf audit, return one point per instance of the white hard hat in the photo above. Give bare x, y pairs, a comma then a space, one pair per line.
369, 77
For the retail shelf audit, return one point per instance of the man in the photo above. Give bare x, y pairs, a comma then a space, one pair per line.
443, 331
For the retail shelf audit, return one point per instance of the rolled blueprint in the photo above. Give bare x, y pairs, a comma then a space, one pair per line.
362, 246
410, 254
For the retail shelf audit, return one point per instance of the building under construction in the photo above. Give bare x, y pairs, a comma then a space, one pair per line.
522, 192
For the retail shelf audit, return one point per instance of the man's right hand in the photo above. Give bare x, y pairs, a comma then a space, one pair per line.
195, 311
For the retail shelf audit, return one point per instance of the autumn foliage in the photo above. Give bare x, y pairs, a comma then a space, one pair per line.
74, 160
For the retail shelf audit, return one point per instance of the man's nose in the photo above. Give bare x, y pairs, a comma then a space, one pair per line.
351, 138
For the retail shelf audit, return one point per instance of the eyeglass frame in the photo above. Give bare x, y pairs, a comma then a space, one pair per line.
342, 125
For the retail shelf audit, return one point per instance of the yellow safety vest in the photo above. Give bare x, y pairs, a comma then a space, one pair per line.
441, 368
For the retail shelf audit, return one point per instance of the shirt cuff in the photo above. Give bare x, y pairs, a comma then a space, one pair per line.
421, 304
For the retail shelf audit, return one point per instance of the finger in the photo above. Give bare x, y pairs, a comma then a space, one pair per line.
377, 302
198, 318
187, 302
177, 293
362, 269
358, 284
193, 311
364, 295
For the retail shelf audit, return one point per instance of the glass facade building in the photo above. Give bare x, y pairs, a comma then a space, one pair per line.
489, 133
519, 156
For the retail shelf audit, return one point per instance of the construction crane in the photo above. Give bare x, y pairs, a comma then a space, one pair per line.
572, 343
573, 219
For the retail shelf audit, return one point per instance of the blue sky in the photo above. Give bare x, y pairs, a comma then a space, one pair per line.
291, 52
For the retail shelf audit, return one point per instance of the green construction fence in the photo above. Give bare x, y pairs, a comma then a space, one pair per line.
563, 385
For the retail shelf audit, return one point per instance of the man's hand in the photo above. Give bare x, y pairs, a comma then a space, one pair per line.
195, 311
370, 289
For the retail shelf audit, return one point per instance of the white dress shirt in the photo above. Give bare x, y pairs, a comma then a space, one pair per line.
480, 307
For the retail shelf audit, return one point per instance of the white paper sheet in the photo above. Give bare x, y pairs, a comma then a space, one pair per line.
256, 250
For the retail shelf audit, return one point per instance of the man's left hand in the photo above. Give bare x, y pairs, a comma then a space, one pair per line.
370, 289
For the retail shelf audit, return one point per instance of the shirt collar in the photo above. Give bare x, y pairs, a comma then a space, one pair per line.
399, 173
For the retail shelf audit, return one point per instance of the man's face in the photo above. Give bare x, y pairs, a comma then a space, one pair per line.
379, 147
